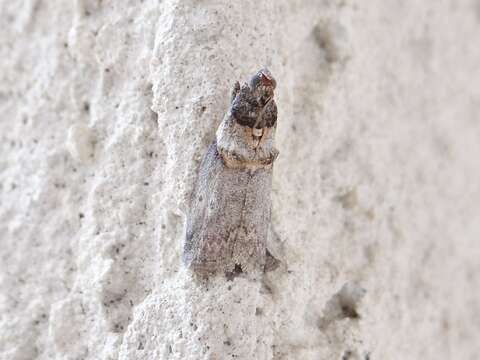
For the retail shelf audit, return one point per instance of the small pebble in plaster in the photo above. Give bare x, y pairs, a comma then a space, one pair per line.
80, 142
229, 217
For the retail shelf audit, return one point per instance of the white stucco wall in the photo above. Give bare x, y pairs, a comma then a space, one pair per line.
106, 108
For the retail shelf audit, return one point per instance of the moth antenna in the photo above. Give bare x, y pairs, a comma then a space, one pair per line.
235, 90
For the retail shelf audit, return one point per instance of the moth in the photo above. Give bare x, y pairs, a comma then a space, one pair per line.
230, 208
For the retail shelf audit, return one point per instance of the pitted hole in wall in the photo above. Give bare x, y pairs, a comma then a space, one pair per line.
271, 263
331, 39
90, 7
349, 199
154, 117
86, 107
354, 355
350, 355
342, 305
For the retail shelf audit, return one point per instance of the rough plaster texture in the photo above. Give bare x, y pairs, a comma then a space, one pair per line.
106, 108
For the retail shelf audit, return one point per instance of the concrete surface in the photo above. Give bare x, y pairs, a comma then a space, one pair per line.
106, 108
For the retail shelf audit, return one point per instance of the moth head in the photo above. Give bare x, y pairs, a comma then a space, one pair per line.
262, 85
254, 107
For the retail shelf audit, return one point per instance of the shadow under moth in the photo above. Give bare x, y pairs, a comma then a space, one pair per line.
229, 217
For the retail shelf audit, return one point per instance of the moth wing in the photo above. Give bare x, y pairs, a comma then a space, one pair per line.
215, 215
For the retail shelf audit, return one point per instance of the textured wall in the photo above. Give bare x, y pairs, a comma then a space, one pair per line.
106, 108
